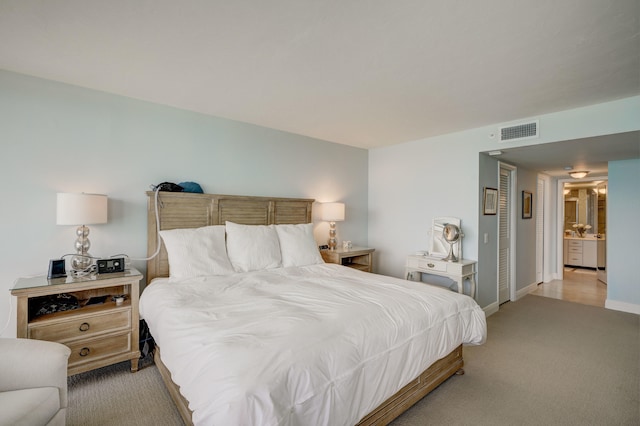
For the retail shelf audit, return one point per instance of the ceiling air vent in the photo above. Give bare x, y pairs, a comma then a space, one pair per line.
519, 131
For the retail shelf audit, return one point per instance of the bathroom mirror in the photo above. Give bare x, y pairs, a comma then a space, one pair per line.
439, 246
581, 206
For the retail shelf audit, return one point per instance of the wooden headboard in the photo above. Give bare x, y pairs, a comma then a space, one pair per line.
189, 210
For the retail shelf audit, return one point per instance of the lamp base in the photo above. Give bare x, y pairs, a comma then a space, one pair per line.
332, 236
83, 260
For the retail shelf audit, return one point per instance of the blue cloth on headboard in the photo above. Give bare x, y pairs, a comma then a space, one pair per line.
191, 187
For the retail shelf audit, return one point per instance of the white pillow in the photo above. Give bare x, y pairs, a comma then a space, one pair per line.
196, 252
253, 247
297, 245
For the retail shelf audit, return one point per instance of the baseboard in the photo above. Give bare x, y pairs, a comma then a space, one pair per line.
555, 276
622, 306
495, 306
491, 309
524, 291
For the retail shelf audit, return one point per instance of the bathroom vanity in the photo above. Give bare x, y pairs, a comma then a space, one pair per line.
581, 251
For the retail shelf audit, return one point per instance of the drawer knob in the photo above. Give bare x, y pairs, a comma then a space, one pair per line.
431, 265
84, 326
84, 351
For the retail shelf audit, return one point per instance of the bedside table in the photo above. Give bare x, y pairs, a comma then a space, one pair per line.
98, 334
360, 258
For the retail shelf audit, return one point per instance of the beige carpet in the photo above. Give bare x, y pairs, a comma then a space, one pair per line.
115, 396
546, 362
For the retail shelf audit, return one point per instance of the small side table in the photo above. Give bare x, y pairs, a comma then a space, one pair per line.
457, 271
360, 258
98, 334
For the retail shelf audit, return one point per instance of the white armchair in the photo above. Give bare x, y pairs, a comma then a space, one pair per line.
33, 382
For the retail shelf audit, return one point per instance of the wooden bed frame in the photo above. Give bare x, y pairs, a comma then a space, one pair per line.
188, 210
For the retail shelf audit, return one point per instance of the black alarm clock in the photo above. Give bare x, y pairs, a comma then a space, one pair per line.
57, 269
108, 266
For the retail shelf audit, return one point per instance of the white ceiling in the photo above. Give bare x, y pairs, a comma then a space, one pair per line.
365, 73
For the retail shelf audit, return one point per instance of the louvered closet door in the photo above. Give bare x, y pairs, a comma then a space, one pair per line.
504, 233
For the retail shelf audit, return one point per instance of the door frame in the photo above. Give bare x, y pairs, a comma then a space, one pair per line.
549, 234
541, 205
513, 209
560, 219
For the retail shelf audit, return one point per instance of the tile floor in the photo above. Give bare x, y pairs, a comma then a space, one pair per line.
579, 285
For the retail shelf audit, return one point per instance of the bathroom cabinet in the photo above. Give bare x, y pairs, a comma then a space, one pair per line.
581, 252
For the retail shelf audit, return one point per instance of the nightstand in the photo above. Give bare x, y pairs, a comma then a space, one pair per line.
360, 258
98, 334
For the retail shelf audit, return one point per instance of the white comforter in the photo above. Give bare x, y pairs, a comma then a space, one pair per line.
313, 345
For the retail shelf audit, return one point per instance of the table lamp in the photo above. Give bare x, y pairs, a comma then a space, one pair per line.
332, 213
81, 209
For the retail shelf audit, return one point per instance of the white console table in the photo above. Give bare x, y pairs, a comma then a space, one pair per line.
457, 271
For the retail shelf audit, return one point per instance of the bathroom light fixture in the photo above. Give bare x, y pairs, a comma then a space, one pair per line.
578, 175
332, 213
81, 209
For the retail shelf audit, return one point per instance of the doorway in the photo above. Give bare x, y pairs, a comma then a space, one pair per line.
578, 286
582, 202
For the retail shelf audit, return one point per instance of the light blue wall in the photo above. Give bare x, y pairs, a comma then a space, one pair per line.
48, 128
413, 182
61, 138
527, 180
623, 234
487, 224
409, 185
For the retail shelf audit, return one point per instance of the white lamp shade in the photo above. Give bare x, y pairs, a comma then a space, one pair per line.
333, 212
81, 209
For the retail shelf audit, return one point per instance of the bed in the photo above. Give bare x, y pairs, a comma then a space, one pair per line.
300, 342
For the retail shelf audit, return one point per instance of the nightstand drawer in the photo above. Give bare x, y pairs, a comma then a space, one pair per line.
91, 349
81, 326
